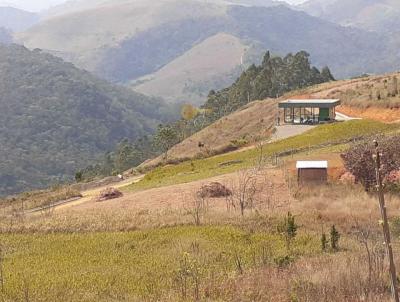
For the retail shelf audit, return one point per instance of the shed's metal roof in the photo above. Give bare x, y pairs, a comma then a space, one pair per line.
322, 164
320, 103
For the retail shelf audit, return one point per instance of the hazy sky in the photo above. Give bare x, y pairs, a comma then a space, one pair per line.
38, 5
31, 5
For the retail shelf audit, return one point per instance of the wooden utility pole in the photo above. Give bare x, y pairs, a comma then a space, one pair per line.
385, 223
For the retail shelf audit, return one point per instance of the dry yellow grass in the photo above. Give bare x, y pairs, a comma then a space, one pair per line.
370, 97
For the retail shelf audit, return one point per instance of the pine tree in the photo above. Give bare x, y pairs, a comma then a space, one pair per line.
324, 242
335, 236
326, 74
288, 229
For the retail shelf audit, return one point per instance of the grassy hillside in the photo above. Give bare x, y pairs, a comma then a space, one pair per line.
196, 169
56, 118
190, 77
121, 41
248, 125
373, 97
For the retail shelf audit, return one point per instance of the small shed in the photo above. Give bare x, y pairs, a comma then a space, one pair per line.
312, 172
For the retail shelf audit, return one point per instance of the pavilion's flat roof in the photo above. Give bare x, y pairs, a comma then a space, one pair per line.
321, 103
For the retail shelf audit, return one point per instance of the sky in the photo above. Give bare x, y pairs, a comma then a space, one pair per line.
31, 5
39, 5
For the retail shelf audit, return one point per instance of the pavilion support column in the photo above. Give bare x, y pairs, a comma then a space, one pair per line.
293, 115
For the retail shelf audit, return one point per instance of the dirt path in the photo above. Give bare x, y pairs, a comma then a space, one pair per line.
286, 131
87, 196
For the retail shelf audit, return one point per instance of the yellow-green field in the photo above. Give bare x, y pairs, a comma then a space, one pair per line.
209, 167
142, 265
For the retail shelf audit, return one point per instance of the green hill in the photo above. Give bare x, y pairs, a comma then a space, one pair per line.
55, 118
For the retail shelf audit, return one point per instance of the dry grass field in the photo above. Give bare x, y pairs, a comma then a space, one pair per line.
147, 246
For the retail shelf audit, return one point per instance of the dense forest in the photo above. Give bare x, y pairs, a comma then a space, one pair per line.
56, 119
274, 77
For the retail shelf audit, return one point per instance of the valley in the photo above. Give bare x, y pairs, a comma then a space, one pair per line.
145, 154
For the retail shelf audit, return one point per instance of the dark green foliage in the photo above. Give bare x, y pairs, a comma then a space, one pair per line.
165, 138
78, 176
334, 237
274, 77
288, 229
324, 242
55, 118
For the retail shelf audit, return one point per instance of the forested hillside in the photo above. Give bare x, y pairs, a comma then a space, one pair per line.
55, 118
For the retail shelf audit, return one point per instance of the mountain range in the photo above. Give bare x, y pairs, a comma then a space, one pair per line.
182, 49
372, 15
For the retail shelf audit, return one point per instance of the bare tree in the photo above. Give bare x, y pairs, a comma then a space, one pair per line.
244, 191
365, 234
197, 207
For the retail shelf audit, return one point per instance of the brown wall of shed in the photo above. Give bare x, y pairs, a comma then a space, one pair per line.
312, 176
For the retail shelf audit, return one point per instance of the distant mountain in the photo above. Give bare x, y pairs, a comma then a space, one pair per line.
376, 15
190, 77
144, 42
16, 19
55, 118
5, 36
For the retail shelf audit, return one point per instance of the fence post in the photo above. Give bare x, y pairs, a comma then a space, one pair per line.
385, 223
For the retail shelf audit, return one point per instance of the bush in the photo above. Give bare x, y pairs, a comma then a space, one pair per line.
358, 160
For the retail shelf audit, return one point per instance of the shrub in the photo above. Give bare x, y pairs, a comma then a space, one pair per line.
358, 160
214, 190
